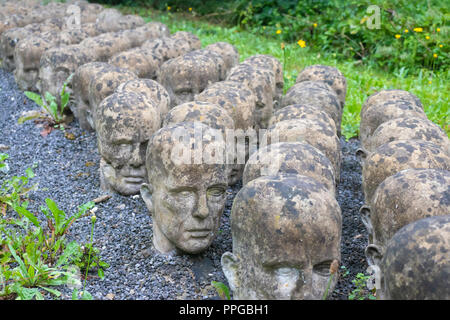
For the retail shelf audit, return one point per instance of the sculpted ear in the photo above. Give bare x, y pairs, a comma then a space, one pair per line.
146, 194
374, 255
364, 213
230, 267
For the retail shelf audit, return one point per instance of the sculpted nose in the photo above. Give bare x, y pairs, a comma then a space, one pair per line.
136, 160
202, 211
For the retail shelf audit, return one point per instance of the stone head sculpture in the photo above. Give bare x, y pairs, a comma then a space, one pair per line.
286, 234
330, 75
379, 113
124, 123
416, 265
192, 39
265, 61
315, 93
302, 111
395, 156
405, 129
102, 84
290, 158
403, 198
227, 51
187, 75
383, 96
80, 91
186, 192
152, 90
139, 61
57, 64
262, 83
313, 131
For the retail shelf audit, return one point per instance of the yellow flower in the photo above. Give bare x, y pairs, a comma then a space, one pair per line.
190, 9
168, 8
397, 36
435, 55
278, 31
406, 30
418, 29
438, 30
301, 43
440, 46
429, 82
315, 25
427, 37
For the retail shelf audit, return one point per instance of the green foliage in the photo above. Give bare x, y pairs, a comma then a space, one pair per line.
361, 292
222, 290
34, 256
13, 189
50, 104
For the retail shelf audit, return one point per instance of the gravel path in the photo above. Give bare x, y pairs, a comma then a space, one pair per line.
67, 172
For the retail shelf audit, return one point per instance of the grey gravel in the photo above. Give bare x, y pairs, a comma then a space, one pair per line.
67, 172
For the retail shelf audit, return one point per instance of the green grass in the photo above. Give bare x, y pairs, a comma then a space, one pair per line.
362, 80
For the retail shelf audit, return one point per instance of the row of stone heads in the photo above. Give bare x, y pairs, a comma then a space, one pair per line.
286, 223
406, 183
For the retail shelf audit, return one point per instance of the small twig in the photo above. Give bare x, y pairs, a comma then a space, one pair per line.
102, 198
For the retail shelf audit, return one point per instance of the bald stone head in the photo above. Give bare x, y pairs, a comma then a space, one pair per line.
227, 51
416, 265
330, 75
262, 83
186, 192
290, 158
124, 122
403, 198
188, 75
152, 90
315, 93
408, 128
286, 233
392, 157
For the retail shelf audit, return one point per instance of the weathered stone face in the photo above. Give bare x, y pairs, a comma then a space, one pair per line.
152, 90
138, 61
111, 20
163, 48
315, 132
185, 198
377, 114
302, 111
57, 64
149, 31
330, 75
188, 75
124, 123
102, 84
403, 198
317, 94
290, 158
237, 99
105, 45
80, 91
262, 83
227, 52
286, 232
380, 97
395, 156
408, 129
416, 264
268, 62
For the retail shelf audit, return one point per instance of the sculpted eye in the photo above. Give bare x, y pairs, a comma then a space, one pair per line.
216, 192
323, 268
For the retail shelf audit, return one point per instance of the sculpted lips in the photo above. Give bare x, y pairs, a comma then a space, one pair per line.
199, 233
134, 180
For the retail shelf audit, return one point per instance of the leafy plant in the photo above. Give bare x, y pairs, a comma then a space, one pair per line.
13, 189
361, 292
50, 105
222, 290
